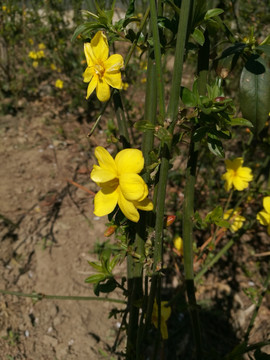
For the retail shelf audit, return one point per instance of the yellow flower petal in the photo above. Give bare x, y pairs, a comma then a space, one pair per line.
132, 186
92, 85
129, 161
266, 204
88, 52
164, 330
128, 208
105, 160
234, 164
114, 63
100, 47
165, 310
263, 217
239, 183
101, 175
113, 79
145, 204
88, 74
165, 314
103, 90
105, 201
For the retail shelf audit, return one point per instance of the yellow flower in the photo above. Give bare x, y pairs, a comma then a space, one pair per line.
178, 244
102, 71
235, 219
120, 183
35, 64
31, 41
237, 176
165, 314
40, 54
53, 67
32, 55
41, 46
4, 8
59, 84
125, 85
264, 215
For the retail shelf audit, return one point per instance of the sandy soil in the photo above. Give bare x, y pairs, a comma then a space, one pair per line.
48, 233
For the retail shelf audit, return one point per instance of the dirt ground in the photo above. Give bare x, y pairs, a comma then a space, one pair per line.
48, 233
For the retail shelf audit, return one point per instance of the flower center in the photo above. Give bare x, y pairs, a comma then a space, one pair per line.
99, 70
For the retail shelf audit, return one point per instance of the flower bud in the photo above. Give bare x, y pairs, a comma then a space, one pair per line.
170, 220
111, 229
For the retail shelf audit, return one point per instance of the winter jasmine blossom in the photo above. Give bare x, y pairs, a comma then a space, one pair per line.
237, 176
264, 216
165, 314
235, 219
120, 183
102, 71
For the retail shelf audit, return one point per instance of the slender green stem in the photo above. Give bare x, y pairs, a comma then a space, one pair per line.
172, 110
188, 212
214, 260
134, 44
149, 113
157, 50
172, 116
121, 119
40, 296
255, 313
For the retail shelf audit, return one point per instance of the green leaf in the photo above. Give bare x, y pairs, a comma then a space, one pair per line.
215, 145
131, 9
144, 125
95, 278
255, 92
96, 266
241, 122
265, 48
213, 12
198, 36
163, 134
200, 133
188, 97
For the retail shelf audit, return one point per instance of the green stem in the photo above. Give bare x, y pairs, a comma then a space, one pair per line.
133, 46
40, 296
214, 260
150, 113
157, 50
255, 313
172, 116
121, 119
182, 34
188, 212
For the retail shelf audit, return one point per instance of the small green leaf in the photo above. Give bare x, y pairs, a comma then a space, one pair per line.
200, 133
163, 134
215, 145
265, 48
255, 92
144, 125
213, 12
131, 9
241, 122
95, 265
188, 97
198, 36
95, 278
